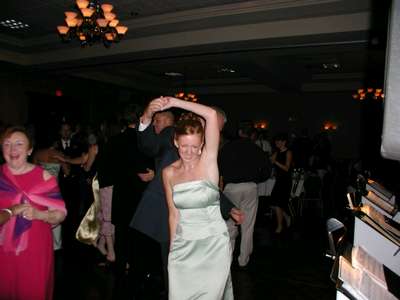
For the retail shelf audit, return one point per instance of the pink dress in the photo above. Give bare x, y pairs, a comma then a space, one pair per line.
30, 274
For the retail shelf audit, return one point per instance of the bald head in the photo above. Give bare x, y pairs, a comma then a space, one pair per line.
162, 120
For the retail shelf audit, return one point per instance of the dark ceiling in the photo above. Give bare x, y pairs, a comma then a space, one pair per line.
219, 46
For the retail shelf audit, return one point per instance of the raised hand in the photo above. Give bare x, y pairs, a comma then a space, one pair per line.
154, 106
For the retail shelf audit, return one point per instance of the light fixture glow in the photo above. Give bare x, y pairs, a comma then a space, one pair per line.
13, 24
192, 97
375, 93
93, 22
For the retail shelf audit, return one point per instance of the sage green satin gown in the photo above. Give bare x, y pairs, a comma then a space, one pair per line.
200, 256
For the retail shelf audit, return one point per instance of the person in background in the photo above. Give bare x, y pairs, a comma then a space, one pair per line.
30, 204
239, 162
69, 182
127, 170
46, 156
282, 163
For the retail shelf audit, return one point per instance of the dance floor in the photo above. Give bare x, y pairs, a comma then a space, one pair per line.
289, 266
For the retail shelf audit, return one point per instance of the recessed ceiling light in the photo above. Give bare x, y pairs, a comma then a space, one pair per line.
173, 74
13, 24
226, 70
331, 66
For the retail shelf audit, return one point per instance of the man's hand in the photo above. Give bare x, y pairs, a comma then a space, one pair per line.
148, 176
154, 106
237, 215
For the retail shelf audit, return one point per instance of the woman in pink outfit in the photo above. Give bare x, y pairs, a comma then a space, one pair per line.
30, 204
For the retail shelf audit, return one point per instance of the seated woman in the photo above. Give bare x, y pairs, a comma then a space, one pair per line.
30, 204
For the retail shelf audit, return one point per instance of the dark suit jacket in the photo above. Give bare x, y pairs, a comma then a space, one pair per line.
75, 149
151, 216
119, 164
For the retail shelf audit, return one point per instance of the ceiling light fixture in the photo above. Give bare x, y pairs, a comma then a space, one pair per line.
173, 74
93, 22
13, 24
376, 94
192, 97
331, 66
226, 70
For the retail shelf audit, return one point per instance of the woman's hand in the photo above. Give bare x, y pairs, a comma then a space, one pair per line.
273, 158
18, 209
30, 213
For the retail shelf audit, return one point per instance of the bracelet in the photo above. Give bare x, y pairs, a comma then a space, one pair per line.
9, 211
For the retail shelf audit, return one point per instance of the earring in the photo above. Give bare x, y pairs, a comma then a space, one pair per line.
199, 151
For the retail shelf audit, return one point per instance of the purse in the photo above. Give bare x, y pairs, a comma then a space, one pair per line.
89, 228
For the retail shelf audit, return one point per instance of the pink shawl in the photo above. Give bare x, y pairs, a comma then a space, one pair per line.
14, 234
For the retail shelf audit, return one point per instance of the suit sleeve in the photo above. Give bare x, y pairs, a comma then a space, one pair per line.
148, 141
226, 206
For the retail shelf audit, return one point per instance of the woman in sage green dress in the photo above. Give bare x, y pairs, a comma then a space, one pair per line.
200, 253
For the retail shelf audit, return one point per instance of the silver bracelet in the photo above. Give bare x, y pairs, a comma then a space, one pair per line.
9, 211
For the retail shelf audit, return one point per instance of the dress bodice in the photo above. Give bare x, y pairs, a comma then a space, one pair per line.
199, 211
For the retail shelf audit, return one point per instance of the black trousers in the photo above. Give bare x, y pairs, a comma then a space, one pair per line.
141, 254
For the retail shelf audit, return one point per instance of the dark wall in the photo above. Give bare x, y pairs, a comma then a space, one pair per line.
291, 113
33, 98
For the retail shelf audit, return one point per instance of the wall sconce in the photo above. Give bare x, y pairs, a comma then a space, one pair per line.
261, 124
330, 126
376, 94
187, 96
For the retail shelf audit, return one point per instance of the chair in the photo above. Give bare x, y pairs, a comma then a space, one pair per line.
336, 233
296, 192
312, 193
337, 245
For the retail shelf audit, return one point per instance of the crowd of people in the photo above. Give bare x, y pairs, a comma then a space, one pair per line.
151, 195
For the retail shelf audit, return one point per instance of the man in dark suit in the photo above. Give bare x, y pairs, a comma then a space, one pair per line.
124, 167
69, 182
155, 137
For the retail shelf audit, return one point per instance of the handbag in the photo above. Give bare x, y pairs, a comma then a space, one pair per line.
89, 228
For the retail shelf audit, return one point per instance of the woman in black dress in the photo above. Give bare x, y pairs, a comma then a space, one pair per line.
281, 161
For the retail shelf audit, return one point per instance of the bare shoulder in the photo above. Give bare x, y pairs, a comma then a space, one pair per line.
172, 167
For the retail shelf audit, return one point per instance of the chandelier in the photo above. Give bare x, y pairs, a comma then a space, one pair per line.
187, 96
376, 94
93, 22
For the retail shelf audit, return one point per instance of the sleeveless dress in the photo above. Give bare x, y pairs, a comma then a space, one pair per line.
54, 169
30, 274
200, 255
281, 192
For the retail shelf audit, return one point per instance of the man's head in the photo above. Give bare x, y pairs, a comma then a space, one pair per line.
162, 120
131, 114
65, 131
245, 129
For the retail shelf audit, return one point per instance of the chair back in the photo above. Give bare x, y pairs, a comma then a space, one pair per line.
336, 232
